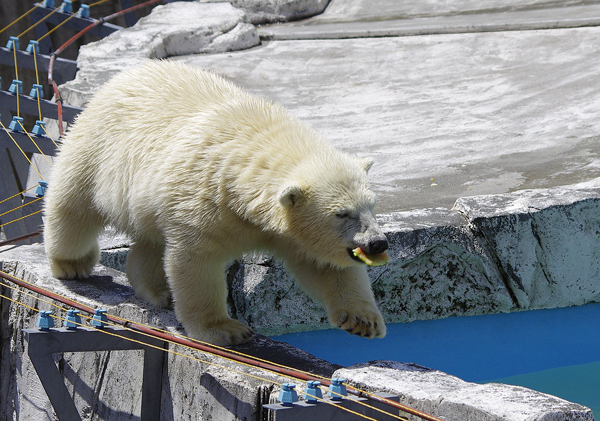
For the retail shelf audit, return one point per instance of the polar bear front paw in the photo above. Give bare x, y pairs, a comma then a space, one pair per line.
224, 333
362, 322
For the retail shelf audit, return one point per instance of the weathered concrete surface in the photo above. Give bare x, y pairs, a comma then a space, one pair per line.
453, 399
481, 113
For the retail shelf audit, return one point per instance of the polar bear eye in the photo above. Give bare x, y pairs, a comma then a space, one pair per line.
342, 214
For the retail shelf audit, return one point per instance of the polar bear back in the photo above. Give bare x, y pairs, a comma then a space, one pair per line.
157, 136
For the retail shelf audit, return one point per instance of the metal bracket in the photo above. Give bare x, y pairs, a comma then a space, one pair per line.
329, 410
42, 344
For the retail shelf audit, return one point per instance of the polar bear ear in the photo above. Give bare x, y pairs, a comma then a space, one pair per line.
366, 163
291, 196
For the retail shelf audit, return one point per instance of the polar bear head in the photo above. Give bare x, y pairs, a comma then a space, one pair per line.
329, 210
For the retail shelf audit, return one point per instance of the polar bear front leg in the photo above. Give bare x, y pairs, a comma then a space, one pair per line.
346, 293
200, 294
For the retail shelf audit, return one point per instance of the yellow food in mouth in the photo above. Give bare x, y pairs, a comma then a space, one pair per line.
375, 260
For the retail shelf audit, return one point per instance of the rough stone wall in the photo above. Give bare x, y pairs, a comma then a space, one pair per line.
549, 253
529, 250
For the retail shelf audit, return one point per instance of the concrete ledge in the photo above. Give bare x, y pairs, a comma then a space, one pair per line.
451, 398
202, 386
328, 27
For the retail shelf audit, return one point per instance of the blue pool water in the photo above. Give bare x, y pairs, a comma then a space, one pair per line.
554, 351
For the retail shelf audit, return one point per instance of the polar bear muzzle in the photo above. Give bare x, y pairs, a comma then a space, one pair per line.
377, 253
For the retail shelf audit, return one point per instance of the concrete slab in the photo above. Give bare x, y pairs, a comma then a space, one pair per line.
444, 116
195, 385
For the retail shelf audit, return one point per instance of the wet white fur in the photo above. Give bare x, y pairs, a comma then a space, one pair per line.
198, 172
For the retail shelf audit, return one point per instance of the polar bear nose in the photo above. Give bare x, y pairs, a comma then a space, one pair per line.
378, 245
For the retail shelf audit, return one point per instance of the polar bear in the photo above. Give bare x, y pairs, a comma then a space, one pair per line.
197, 171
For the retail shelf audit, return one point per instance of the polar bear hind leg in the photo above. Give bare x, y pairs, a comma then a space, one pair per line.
71, 242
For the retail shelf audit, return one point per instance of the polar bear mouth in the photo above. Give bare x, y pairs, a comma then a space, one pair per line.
353, 256
359, 255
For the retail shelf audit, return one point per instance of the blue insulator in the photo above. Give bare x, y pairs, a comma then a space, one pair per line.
99, 320
288, 395
45, 321
337, 389
15, 86
38, 129
312, 393
40, 189
48, 3
84, 11
12, 44
16, 124
72, 321
37, 91
33, 45
66, 6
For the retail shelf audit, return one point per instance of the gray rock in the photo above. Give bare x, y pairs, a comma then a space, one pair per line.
439, 269
546, 243
271, 11
201, 28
